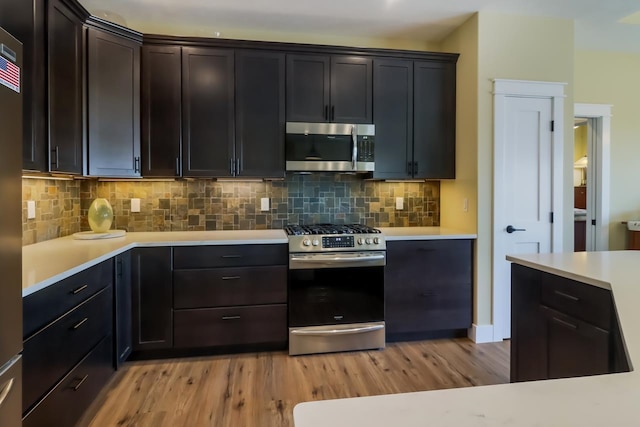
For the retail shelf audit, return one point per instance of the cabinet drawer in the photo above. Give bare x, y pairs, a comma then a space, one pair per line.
230, 326
74, 393
584, 302
52, 352
41, 307
223, 287
229, 256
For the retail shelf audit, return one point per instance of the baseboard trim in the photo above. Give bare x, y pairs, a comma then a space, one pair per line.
481, 333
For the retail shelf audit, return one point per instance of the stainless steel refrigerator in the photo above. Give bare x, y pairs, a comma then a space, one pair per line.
10, 231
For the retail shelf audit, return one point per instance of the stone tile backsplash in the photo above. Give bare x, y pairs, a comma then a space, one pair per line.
197, 205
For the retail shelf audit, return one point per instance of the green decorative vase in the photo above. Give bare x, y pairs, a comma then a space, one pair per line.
100, 215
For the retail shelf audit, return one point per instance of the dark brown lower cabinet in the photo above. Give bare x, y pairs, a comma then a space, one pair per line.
66, 402
428, 287
561, 328
122, 325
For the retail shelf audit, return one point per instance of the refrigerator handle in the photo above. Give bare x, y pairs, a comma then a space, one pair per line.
5, 390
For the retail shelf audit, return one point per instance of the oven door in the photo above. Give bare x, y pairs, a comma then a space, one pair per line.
336, 288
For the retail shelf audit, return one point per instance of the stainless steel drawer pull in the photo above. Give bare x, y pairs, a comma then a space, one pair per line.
4, 392
80, 323
230, 277
231, 256
567, 324
80, 289
77, 386
567, 296
230, 317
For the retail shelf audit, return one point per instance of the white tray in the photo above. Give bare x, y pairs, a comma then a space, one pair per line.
90, 235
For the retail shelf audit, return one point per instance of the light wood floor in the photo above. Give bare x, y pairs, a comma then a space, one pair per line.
261, 389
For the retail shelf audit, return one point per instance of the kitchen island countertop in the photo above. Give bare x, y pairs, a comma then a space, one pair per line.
593, 401
48, 262
423, 233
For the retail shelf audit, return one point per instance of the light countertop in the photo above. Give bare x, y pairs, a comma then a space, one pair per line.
596, 401
423, 233
48, 262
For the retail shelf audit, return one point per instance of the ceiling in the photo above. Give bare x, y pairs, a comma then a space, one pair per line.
597, 23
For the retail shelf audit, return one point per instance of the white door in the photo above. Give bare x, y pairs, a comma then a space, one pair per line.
523, 192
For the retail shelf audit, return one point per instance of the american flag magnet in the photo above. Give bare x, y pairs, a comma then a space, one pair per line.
9, 75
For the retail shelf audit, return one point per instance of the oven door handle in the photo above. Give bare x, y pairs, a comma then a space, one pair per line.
326, 260
337, 331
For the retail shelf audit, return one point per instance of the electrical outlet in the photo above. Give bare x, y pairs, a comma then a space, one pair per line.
31, 209
135, 205
264, 204
399, 203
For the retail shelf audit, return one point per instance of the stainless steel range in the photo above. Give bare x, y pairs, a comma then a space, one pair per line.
336, 288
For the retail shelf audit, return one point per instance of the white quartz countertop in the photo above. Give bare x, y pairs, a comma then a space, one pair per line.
423, 233
48, 262
596, 401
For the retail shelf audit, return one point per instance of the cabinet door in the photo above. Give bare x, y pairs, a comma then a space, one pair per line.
260, 112
208, 112
351, 89
114, 105
152, 298
308, 88
574, 348
25, 20
393, 118
65, 89
123, 327
528, 327
428, 286
161, 111
434, 140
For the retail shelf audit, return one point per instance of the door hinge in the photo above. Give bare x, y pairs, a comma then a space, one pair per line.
553, 126
551, 217
593, 222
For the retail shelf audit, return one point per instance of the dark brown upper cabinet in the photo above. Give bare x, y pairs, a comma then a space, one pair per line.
329, 88
415, 119
208, 112
65, 58
25, 20
260, 113
113, 105
161, 111
434, 125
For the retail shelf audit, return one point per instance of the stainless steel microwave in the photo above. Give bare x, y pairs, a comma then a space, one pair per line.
329, 147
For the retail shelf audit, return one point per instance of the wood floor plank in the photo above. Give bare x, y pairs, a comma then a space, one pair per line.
262, 389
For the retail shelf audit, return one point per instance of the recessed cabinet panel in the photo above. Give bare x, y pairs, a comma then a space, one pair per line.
393, 118
208, 112
308, 88
161, 111
351, 89
113, 105
65, 89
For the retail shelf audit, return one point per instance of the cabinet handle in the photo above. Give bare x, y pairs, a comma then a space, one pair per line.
231, 166
415, 168
326, 112
567, 324
119, 268
56, 151
230, 277
136, 164
333, 112
177, 166
567, 296
231, 256
230, 317
80, 323
77, 386
80, 289
237, 167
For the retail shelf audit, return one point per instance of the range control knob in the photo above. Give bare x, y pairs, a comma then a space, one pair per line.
360, 241
367, 241
376, 240
306, 242
315, 242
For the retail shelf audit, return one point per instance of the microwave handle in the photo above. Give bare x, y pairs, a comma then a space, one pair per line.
354, 155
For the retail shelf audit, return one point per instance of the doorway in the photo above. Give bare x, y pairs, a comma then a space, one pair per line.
591, 170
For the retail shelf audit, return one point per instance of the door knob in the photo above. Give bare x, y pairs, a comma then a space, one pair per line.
511, 229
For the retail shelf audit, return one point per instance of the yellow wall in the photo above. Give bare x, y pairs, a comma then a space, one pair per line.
284, 37
612, 78
579, 142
